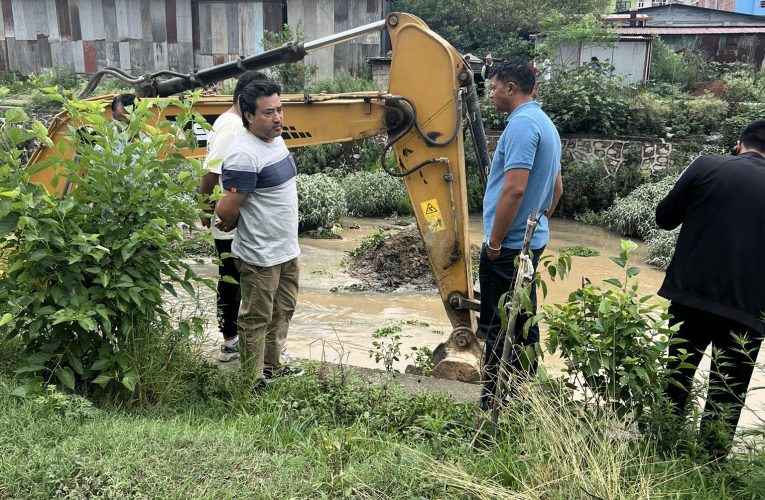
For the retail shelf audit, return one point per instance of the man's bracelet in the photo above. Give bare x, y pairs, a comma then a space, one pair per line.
488, 245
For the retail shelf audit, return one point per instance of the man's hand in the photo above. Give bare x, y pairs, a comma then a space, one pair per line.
493, 251
206, 222
223, 226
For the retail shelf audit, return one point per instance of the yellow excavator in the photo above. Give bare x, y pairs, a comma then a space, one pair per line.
430, 98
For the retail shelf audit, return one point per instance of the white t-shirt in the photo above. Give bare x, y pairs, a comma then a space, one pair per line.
267, 232
225, 128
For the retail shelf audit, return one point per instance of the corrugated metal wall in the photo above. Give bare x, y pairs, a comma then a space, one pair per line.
318, 18
139, 36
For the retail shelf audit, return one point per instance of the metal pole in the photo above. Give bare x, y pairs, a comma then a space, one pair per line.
330, 40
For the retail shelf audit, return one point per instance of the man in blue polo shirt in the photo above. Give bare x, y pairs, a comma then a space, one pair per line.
525, 176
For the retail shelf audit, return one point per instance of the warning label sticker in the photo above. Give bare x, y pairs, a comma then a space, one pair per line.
432, 215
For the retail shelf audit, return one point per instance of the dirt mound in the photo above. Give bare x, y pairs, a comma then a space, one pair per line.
397, 261
716, 88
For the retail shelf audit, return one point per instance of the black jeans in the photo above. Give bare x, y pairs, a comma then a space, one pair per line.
496, 278
228, 296
729, 373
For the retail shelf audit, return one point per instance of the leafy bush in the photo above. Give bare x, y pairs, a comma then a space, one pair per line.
732, 126
587, 188
375, 193
342, 82
584, 99
649, 114
635, 214
743, 86
293, 78
321, 201
87, 273
580, 251
661, 247
685, 69
320, 159
614, 342
700, 115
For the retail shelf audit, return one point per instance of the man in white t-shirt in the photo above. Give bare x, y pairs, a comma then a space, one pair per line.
258, 177
225, 128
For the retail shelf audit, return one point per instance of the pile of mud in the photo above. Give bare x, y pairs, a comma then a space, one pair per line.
395, 262
399, 261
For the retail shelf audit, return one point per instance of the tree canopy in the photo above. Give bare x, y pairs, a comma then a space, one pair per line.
497, 26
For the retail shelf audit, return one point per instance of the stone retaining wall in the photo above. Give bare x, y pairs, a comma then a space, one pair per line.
653, 154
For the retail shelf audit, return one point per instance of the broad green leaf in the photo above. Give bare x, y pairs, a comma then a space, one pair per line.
129, 380
66, 376
7, 318
102, 379
30, 369
189, 288
229, 279
633, 271
619, 261
74, 362
613, 281
8, 223
101, 364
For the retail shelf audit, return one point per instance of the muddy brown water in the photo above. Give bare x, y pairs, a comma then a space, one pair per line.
336, 318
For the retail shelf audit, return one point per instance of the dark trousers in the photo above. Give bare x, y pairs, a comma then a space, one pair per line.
496, 278
228, 296
729, 374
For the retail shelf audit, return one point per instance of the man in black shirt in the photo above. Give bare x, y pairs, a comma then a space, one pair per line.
716, 280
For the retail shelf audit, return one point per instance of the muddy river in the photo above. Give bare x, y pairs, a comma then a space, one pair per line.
334, 321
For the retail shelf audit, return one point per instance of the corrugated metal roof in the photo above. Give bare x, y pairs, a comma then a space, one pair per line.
723, 30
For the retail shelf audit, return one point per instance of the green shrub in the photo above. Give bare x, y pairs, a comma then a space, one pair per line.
320, 159
375, 193
649, 114
321, 201
700, 115
492, 119
686, 69
743, 86
661, 247
580, 251
635, 214
587, 189
614, 342
88, 273
732, 126
342, 82
583, 99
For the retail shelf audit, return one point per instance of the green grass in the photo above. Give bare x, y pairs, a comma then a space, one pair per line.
580, 251
330, 435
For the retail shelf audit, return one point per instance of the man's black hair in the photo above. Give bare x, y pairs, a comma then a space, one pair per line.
514, 70
123, 99
246, 78
250, 93
753, 135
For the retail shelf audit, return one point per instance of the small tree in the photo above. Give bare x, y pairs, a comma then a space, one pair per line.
294, 78
87, 273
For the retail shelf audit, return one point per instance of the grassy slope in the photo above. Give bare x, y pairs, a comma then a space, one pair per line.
296, 443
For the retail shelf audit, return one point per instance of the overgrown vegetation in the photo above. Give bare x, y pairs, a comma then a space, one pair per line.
321, 201
375, 193
87, 273
614, 342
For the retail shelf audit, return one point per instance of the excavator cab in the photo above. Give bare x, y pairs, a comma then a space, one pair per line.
430, 98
